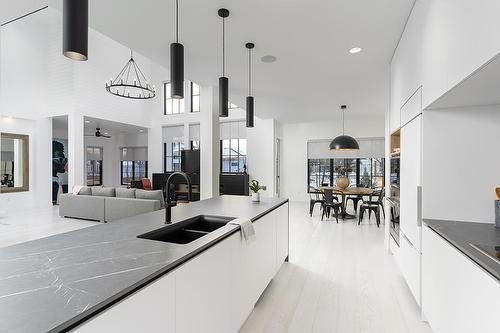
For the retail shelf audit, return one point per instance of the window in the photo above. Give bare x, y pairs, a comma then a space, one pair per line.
364, 172
172, 105
172, 153
133, 170
195, 97
233, 155
127, 172
94, 166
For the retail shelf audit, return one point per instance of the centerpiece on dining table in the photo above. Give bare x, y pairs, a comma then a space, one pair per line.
343, 180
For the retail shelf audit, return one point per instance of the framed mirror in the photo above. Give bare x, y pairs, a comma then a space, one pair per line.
14, 163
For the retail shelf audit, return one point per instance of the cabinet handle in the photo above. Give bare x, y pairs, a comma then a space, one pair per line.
419, 206
409, 242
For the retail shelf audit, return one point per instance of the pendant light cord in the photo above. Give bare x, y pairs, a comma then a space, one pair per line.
223, 46
249, 72
177, 21
343, 122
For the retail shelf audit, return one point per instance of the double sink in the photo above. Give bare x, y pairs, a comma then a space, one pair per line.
189, 230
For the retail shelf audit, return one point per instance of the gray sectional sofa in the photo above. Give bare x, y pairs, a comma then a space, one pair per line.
107, 204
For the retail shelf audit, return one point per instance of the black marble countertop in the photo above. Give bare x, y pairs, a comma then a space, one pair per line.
462, 234
54, 283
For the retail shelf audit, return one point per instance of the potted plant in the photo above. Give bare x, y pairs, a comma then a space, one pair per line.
343, 180
255, 187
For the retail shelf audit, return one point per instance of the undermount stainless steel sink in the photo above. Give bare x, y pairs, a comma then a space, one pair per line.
186, 231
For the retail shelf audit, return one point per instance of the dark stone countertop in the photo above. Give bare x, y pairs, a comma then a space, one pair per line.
462, 234
54, 283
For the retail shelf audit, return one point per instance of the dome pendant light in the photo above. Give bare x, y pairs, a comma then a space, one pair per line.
343, 142
250, 100
177, 61
76, 29
223, 80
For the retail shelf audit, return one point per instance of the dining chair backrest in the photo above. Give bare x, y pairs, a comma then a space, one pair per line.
328, 196
381, 196
314, 194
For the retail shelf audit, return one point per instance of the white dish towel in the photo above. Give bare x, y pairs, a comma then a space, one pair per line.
246, 227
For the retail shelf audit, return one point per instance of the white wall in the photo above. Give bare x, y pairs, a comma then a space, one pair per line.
461, 163
40, 164
294, 148
37, 82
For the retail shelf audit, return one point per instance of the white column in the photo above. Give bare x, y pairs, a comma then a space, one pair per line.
209, 143
76, 151
155, 150
261, 154
42, 170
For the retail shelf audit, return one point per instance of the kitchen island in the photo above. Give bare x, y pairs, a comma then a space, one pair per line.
105, 278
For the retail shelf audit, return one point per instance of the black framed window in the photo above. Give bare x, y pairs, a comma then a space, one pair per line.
233, 157
195, 97
171, 105
93, 166
364, 172
172, 156
133, 170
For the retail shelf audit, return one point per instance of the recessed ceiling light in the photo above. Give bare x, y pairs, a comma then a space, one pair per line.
268, 58
87, 121
141, 130
355, 50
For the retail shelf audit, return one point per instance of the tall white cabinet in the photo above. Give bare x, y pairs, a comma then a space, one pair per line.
411, 193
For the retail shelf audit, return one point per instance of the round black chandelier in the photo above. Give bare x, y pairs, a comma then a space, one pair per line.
131, 82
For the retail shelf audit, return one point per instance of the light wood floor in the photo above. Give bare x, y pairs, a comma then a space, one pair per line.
340, 278
23, 226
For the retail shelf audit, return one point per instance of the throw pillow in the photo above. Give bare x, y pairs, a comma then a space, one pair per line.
85, 190
151, 195
103, 191
125, 192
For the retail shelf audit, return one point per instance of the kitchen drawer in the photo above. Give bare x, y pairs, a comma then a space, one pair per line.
410, 265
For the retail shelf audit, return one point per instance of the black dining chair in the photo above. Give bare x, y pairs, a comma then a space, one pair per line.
315, 197
376, 194
372, 205
329, 204
355, 201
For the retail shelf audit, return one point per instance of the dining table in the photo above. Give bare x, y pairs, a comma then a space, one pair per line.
344, 192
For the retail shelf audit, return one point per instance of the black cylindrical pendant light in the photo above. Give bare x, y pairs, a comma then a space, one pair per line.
223, 80
76, 29
343, 142
250, 99
177, 61
250, 104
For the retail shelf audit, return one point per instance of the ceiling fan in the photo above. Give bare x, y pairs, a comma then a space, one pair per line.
98, 134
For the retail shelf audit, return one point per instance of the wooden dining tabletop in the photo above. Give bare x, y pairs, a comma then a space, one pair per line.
348, 190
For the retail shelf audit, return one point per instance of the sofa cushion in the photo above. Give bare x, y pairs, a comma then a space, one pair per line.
85, 190
125, 192
151, 195
103, 191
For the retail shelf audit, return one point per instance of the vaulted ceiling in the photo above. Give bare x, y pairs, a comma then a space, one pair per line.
314, 72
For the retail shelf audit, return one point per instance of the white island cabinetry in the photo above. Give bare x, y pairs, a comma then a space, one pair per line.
212, 292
